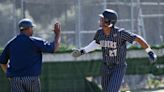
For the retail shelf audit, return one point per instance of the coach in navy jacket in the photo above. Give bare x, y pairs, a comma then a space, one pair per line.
21, 59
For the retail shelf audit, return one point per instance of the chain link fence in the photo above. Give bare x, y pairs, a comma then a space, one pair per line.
80, 18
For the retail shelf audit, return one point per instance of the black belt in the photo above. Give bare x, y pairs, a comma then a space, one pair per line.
110, 64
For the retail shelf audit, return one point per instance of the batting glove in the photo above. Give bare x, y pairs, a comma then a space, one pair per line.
152, 55
77, 52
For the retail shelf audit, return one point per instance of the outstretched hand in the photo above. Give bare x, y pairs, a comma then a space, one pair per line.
77, 52
57, 28
57, 38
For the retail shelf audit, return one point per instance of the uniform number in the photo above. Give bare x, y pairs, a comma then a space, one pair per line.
113, 53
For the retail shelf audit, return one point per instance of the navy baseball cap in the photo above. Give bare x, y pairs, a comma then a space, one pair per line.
25, 23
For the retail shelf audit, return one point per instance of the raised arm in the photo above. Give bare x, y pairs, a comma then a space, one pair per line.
57, 38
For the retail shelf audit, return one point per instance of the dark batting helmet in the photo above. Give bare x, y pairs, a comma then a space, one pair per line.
25, 23
110, 16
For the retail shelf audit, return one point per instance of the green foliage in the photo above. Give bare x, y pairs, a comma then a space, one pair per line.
1, 49
133, 47
153, 82
68, 48
65, 48
158, 46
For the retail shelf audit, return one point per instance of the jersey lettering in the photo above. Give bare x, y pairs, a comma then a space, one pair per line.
109, 44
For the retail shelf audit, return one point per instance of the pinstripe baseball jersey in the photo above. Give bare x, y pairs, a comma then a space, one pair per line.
114, 45
114, 55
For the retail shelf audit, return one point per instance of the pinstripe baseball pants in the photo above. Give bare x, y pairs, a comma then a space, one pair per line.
112, 77
25, 84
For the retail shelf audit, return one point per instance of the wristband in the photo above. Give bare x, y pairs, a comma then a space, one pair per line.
82, 51
148, 49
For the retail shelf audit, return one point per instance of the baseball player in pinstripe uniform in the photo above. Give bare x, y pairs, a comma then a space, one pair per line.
25, 55
112, 40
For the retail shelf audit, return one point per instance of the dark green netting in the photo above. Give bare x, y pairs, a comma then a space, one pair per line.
71, 76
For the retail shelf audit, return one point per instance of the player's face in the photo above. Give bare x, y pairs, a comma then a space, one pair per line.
102, 23
30, 31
